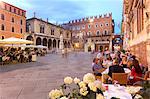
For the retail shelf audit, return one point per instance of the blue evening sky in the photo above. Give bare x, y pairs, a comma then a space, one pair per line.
61, 11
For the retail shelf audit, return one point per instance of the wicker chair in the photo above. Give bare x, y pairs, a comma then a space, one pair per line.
120, 77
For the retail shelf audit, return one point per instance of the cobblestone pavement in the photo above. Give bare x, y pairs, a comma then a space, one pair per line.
35, 80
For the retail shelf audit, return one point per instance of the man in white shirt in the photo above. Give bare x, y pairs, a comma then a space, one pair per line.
99, 55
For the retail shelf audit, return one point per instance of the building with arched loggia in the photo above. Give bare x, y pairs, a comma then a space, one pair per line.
47, 34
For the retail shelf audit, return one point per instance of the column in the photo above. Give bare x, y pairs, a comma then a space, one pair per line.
110, 44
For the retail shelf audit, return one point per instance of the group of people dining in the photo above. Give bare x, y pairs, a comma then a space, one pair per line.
9, 55
120, 62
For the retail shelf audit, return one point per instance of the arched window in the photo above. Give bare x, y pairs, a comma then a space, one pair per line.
41, 29
12, 20
105, 32
101, 24
2, 17
2, 27
96, 25
2, 37
13, 30
89, 33
21, 22
20, 30
97, 33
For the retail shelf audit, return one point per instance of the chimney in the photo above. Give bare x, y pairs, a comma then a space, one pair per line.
34, 14
47, 20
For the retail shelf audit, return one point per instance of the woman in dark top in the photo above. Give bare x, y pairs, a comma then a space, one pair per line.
115, 68
124, 61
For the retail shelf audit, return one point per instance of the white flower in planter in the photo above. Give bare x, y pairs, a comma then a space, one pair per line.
99, 96
89, 78
76, 80
92, 87
54, 94
98, 84
68, 80
82, 84
83, 91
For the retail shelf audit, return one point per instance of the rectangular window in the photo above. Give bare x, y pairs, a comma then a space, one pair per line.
10, 9
19, 12
5, 7
140, 18
14, 10
52, 31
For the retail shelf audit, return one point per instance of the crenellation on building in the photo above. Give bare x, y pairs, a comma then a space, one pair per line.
92, 27
86, 19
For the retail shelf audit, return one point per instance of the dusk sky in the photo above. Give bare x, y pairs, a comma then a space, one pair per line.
61, 11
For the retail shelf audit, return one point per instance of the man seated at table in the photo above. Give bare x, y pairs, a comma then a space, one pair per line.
97, 69
115, 68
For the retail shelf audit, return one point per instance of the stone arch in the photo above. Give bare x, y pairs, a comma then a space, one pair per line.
38, 41
54, 43
30, 38
50, 44
68, 44
44, 42
65, 44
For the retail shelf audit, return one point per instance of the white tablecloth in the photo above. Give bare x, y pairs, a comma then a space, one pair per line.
118, 92
125, 69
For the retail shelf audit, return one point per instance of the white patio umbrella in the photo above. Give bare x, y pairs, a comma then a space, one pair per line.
36, 46
13, 40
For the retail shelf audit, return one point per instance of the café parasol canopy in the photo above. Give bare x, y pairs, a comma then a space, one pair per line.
13, 40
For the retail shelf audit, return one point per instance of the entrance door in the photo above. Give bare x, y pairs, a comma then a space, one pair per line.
89, 49
101, 48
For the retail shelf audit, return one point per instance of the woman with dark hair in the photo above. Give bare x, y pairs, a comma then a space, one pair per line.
135, 72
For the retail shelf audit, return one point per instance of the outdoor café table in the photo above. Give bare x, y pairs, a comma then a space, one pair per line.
125, 69
116, 91
105, 74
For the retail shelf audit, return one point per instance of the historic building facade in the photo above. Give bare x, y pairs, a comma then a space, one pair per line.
12, 21
136, 28
92, 33
47, 34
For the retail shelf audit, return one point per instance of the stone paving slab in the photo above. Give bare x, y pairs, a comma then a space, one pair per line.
35, 80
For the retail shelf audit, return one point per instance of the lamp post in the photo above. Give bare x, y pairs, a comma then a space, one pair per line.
61, 44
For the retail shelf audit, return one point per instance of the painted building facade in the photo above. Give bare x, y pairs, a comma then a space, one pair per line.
47, 34
92, 33
136, 28
12, 21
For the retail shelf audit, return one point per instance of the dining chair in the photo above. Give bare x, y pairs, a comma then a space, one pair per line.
120, 77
